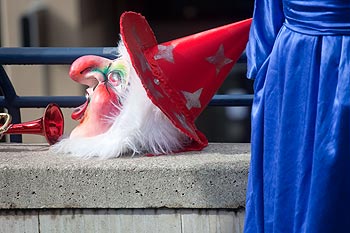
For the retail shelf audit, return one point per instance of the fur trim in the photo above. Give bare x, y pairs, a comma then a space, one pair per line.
140, 128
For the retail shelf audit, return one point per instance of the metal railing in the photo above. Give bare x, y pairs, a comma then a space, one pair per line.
60, 56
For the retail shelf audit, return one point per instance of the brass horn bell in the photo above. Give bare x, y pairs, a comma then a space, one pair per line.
51, 125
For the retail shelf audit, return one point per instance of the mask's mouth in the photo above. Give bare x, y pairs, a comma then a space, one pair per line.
92, 82
79, 111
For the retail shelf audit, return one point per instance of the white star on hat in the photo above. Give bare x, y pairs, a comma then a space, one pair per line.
219, 59
165, 52
155, 92
182, 119
144, 64
193, 98
136, 35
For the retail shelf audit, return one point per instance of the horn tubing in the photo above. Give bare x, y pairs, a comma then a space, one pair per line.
51, 125
31, 127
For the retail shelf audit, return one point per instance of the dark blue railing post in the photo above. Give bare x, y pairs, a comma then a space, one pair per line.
10, 97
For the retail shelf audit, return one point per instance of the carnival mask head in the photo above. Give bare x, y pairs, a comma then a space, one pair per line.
147, 100
107, 82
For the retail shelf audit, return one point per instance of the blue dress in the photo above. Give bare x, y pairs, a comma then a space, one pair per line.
299, 55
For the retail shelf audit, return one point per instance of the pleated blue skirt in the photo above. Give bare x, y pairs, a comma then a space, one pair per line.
299, 179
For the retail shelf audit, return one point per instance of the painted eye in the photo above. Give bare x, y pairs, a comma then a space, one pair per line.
118, 74
115, 78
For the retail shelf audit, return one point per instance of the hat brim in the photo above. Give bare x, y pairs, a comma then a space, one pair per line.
138, 38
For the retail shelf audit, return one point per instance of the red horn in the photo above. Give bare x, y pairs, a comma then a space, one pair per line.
51, 125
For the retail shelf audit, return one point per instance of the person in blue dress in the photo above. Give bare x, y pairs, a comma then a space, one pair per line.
299, 56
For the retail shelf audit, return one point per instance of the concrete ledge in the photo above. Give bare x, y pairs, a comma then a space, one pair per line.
31, 177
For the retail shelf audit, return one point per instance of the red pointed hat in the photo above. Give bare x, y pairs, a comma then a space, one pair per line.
181, 76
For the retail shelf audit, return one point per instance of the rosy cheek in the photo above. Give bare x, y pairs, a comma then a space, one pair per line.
99, 115
103, 102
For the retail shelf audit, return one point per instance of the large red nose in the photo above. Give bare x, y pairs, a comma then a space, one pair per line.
81, 66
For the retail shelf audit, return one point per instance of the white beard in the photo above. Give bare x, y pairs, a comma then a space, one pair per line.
140, 128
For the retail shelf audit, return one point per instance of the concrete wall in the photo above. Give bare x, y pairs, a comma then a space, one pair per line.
123, 221
194, 192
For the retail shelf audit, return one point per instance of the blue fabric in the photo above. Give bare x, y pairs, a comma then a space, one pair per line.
299, 55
